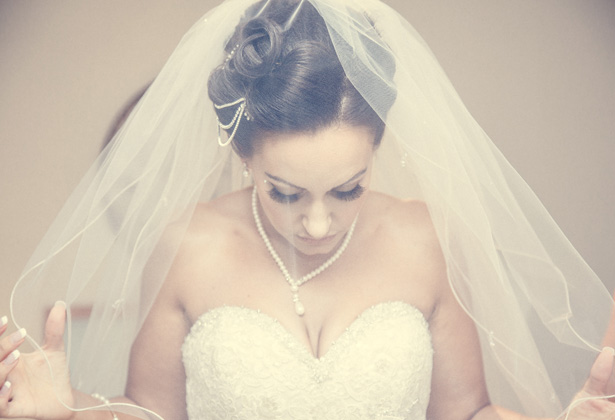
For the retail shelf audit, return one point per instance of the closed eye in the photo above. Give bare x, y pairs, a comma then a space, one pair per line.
349, 195
276, 195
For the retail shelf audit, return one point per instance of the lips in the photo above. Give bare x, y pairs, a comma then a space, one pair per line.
317, 242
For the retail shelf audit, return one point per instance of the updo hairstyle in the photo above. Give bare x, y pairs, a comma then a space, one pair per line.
291, 79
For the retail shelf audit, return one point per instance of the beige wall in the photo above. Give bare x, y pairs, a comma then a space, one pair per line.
538, 75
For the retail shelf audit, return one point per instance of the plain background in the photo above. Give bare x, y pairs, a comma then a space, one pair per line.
539, 76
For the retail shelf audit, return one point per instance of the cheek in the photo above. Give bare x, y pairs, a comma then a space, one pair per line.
346, 211
343, 212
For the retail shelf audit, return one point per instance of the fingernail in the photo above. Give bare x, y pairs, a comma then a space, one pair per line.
60, 303
18, 335
3, 321
5, 388
611, 350
11, 358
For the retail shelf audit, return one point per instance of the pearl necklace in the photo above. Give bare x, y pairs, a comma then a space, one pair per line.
294, 284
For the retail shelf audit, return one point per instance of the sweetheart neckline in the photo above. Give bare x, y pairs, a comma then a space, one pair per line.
294, 340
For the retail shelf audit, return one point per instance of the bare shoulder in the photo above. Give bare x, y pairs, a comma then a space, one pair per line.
402, 218
228, 214
215, 235
404, 229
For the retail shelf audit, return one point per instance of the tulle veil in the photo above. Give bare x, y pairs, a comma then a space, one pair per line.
540, 310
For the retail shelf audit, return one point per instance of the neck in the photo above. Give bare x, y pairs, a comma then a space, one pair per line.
297, 262
295, 282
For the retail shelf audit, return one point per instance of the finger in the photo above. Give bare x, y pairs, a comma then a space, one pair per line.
8, 364
5, 395
601, 373
54, 327
10, 343
4, 322
9, 352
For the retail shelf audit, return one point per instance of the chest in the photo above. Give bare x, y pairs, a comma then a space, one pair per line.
367, 274
361, 277
245, 364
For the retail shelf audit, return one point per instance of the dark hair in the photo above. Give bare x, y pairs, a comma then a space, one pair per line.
291, 79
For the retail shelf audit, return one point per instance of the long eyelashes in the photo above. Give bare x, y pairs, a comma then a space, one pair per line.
283, 198
350, 195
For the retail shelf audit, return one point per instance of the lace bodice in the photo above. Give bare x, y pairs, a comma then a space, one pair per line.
242, 364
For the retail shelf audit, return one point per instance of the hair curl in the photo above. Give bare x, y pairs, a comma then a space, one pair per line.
291, 78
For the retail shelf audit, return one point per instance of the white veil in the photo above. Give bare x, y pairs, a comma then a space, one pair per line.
540, 310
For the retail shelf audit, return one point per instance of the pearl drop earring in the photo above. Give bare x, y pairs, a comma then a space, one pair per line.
246, 170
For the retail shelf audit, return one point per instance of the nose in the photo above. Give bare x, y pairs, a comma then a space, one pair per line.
317, 221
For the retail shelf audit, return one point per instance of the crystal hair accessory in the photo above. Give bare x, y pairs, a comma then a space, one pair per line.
241, 111
294, 284
230, 55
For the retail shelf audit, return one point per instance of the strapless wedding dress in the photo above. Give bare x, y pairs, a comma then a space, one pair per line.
243, 365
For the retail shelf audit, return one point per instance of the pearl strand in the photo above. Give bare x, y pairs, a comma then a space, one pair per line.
294, 284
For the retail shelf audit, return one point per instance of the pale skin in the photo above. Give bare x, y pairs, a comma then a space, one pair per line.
609, 341
323, 180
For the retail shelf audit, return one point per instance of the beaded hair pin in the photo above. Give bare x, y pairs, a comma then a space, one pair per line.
241, 109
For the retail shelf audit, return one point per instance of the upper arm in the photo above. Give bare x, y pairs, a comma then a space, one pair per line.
156, 377
458, 387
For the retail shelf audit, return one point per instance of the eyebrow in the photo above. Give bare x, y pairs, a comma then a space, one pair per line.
290, 184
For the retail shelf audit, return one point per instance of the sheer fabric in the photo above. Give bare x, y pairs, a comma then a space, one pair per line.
539, 309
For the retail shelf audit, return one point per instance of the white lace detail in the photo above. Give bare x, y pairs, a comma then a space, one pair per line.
243, 364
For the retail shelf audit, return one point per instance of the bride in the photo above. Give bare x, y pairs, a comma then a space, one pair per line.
333, 238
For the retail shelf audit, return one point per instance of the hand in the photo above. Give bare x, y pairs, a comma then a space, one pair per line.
28, 388
587, 404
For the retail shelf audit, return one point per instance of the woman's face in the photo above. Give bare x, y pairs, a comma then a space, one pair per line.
311, 186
